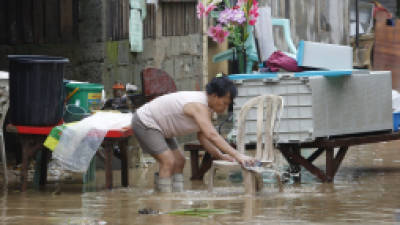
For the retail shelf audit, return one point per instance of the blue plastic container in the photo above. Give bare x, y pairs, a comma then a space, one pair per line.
396, 121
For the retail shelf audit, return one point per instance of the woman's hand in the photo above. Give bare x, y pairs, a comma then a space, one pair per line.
245, 160
227, 157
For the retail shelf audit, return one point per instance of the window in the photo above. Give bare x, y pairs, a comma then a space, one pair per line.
149, 23
117, 17
179, 18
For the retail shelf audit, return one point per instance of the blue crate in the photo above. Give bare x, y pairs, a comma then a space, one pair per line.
396, 121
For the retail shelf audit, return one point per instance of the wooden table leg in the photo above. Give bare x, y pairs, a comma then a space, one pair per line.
43, 167
206, 163
296, 158
339, 158
123, 146
108, 153
30, 144
194, 162
40, 177
330, 152
290, 154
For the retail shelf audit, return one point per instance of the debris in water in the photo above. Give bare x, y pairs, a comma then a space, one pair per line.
199, 212
148, 211
202, 212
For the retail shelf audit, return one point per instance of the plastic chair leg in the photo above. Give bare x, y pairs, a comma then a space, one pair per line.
4, 160
211, 179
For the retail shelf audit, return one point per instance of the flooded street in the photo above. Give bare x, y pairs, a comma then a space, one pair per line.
366, 191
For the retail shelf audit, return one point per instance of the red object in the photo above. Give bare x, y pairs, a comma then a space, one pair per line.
380, 8
120, 133
279, 60
156, 82
118, 86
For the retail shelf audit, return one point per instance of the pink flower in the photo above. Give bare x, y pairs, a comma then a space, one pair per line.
254, 9
253, 13
209, 8
225, 16
217, 33
200, 10
204, 11
235, 16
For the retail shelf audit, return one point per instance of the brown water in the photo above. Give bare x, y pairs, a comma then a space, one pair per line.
366, 191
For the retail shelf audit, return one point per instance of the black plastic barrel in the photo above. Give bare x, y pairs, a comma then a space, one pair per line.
36, 89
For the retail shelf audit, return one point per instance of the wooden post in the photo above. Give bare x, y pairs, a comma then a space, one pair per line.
329, 164
124, 163
194, 162
205, 49
108, 147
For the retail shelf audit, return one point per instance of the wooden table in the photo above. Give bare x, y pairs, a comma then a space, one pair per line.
292, 153
32, 138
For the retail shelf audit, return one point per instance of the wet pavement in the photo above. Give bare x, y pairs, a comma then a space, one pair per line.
366, 191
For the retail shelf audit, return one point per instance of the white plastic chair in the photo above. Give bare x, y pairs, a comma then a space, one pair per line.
264, 34
272, 105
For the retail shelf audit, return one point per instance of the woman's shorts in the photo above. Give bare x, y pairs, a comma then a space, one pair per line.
151, 140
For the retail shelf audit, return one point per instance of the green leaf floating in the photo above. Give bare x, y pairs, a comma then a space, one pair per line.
199, 212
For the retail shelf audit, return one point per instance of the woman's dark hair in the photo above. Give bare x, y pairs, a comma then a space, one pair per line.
221, 86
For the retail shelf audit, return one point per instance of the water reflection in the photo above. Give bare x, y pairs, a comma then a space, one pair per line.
365, 192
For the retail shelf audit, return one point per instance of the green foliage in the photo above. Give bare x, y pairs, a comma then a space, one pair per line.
199, 212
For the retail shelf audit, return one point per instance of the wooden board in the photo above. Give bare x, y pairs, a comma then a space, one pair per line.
26, 25
12, 22
66, 20
38, 21
387, 50
3, 22
149, 23
52, 21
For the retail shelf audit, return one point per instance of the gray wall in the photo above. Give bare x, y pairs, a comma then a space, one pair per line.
312, 20
179, 56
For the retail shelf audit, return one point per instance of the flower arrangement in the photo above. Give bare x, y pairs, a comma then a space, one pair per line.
232, 21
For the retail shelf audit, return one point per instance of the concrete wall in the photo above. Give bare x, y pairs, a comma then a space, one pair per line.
179, 56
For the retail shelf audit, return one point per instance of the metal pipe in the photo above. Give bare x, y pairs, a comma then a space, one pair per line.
357, 24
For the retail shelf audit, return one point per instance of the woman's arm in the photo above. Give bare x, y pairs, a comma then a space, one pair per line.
200, 113
214, 152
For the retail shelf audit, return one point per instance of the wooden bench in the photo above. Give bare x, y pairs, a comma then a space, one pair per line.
32, 138
198, 168
292, 153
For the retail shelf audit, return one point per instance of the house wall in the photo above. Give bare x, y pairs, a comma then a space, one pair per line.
312, 20
96, 56
179, 56
86, 52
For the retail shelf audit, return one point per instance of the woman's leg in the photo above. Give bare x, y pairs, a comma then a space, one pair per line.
179, 161
177, 177
166, 162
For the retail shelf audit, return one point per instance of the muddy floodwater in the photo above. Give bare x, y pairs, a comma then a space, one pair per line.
366, 191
